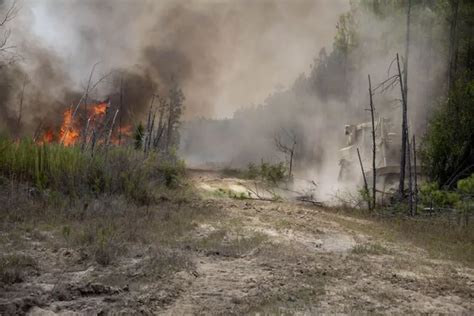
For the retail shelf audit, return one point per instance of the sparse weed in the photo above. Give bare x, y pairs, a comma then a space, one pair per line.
164, 261
227, 244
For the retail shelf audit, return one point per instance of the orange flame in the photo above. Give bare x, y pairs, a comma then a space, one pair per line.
99, 109
71, 127
68, 133
47, 137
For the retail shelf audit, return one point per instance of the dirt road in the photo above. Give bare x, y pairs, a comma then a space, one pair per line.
319, 261
258, 257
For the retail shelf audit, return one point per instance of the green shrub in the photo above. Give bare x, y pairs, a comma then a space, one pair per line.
253, 171
448, 144
430, 194
466, 186
172, 172
268, 172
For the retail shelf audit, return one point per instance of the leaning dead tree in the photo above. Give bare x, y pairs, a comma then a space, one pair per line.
287, 147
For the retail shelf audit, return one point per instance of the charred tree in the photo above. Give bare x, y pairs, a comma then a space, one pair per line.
157, 141
374, 149
287, 149
403, 150
20, 108
415, 197
175, 110
120, 112
452, 44
404, 92
366, 187
410, 179
148, 128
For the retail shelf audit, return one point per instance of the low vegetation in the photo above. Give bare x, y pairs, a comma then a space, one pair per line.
267, 172
444, 236
370, 249
74, 173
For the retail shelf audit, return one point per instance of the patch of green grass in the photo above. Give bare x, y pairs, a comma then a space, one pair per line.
14, 268
227, 193
370, 249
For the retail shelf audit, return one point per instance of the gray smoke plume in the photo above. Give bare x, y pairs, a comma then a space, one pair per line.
224, 54
332, 93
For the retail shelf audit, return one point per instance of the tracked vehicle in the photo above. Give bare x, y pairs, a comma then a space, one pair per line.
387, 146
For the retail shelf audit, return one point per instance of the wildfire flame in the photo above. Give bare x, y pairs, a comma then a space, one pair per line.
72, 127
68, 133
47, 137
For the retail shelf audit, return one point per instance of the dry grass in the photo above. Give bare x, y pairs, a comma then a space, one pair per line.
163, 262
440, 238
228, 243
14, 268
103, 228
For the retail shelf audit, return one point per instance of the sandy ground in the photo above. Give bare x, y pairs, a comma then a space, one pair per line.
302, 260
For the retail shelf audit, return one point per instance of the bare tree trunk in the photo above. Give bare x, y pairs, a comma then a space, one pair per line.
374, 186
292, 154
93, 141
288, 150
452, 43
407, 51
410, 181
20, 109
86, 96
401, 186
148, 126
151, 130
109, 136
169, 133
416, 176
291, 164
159, 132
366, 187
404, 91
121, 112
